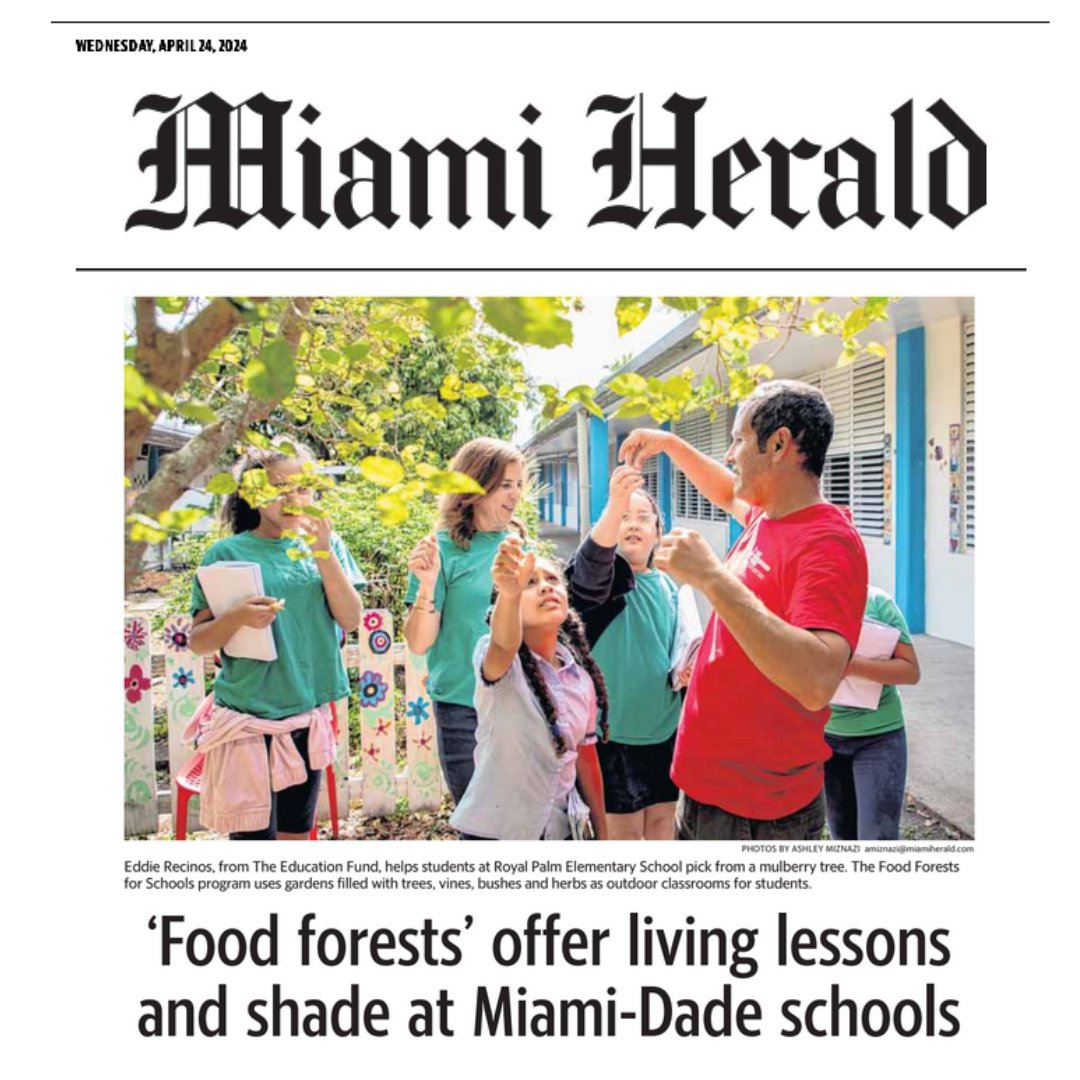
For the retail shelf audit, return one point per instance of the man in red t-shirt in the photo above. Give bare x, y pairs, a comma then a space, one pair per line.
787, 609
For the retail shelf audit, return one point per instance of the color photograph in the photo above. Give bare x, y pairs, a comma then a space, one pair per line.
549, 568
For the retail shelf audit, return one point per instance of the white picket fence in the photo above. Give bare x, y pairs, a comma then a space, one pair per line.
374, 656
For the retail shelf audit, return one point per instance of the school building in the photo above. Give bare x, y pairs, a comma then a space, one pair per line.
902, 456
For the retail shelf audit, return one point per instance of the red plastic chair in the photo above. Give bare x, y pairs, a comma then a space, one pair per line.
191, 784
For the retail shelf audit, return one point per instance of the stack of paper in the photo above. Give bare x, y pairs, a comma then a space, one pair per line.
226, 584
876, 642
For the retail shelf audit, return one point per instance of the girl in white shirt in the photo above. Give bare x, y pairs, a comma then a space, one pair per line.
538, 692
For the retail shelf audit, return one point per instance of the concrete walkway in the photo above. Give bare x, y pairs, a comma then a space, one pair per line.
940, 718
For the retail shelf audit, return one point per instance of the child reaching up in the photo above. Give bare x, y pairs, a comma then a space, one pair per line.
631, 618
538, 692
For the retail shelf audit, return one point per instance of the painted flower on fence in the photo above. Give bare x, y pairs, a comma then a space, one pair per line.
372, 621
134, 635
182, 679
417, 711
379, 642
373, 689
135, 682
177, 635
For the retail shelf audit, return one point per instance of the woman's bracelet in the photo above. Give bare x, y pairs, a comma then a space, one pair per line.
425, 604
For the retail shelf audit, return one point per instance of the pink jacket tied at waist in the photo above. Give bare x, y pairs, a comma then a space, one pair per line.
238, 776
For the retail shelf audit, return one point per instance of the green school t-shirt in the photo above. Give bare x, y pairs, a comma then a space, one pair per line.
308, 670
634, 653
462, 597
889, 715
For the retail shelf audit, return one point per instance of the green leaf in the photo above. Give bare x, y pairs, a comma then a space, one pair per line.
196, 411
257, 438
630, 312
171, 305
875, 348
475, 390
531, 320
393, 510
630, 409
450, 390
677, 389
134, 388
383, 471
683, 303
447, 483
628, 384
390, 331
357, 351
222, 484
272, 374
854, 322
145, 529
450, 316
177, 521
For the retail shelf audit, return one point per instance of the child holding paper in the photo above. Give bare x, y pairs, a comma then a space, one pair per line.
866, 775
631, 617
538, 693
267, 730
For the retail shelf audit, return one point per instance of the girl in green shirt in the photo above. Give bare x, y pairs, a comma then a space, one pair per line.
307, 599
630, 611
450, 591
867, 773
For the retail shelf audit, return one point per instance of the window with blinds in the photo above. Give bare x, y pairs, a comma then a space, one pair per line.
969, 435
854, 474
650, 473
710, 437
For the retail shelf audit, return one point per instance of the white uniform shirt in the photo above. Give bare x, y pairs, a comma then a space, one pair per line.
520, 786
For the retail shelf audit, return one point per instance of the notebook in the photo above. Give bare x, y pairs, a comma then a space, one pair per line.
226, 584
876, 642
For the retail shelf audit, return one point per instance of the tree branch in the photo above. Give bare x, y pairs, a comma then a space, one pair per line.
167, 358
179, 470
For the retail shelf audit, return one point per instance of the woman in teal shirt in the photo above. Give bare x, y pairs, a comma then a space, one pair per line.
306, 600
450, 592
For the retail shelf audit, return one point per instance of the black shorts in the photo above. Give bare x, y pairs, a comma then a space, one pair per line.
292, 809
636, 776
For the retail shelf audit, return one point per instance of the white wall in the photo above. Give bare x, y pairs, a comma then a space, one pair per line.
950, 577
572, 497
716, 533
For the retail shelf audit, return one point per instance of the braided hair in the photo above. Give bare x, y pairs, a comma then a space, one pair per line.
572, 635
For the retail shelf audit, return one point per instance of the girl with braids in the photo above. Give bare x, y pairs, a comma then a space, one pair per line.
266, 731
450, 591
538, 690
631, 617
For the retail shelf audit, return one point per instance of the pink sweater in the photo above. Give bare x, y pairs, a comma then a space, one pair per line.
238, 776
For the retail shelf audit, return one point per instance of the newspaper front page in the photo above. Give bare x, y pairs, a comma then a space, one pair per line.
272, 166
